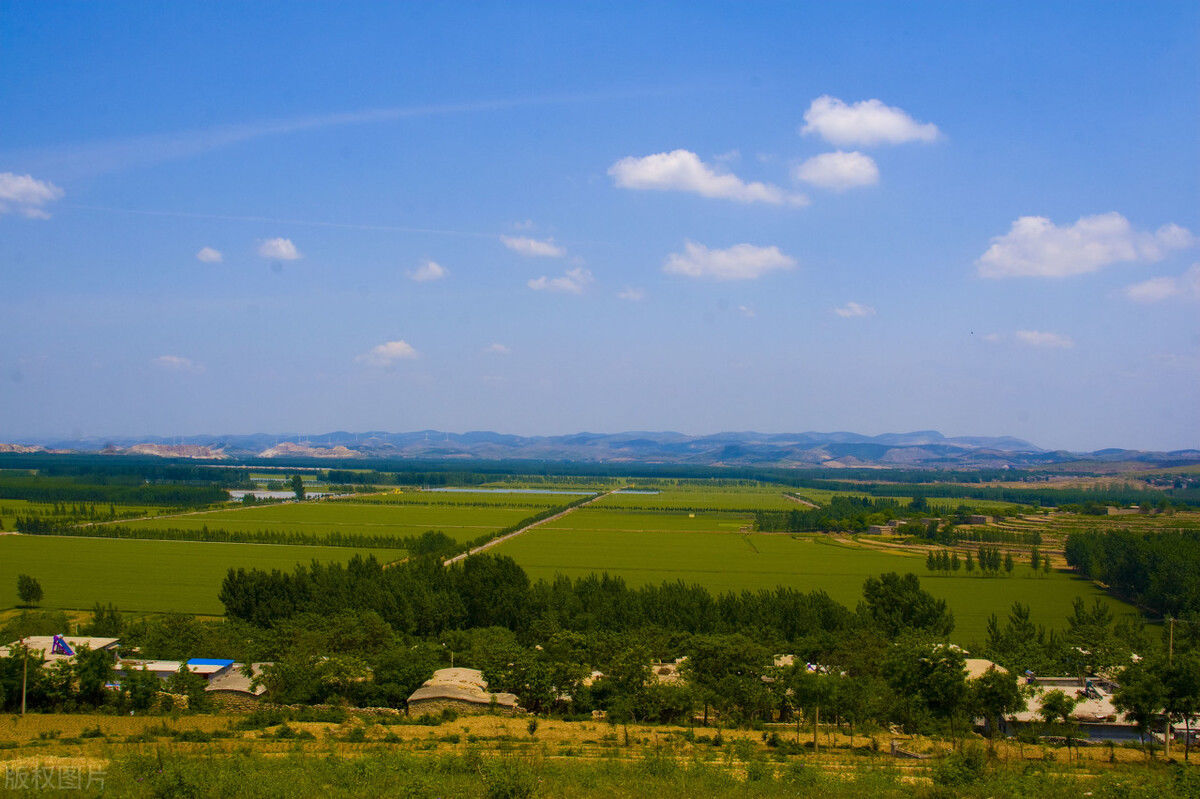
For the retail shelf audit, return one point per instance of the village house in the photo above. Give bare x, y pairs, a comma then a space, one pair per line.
461, 690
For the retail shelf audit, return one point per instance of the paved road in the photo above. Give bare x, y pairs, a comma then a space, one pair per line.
525, 529
804, 502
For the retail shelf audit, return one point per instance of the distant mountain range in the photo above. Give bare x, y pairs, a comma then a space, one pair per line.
922, 449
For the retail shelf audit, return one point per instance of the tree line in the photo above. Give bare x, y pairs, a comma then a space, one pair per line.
1157, 570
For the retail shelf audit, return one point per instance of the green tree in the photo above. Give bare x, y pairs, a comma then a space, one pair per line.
1181, 683
191, 685
930, 678
898, 604
29, 590
811, 691
297, 486
1008, 562
728, 671
1056, 709
106, 621
400, 670
94, 670
993, 694
970, 564
140, 686
1141, 695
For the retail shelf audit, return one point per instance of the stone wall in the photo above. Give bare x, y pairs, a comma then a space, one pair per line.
232, 701
434, 707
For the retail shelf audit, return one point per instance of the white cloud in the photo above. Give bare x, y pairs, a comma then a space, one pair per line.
209, 255
1036, 247
747, 311
524, 225
865, 123
1038, 338
280, 249
682, 170
632, 294
427, 271
26, 195
853, 310
992, 337
496, 348
1157, 289
543, 248
739, 262
177, 363
838, 170
573, 281
388, 353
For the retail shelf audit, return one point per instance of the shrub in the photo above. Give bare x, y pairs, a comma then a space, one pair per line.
509, 778
960, 768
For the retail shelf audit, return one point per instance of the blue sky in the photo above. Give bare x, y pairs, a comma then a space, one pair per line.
696, 217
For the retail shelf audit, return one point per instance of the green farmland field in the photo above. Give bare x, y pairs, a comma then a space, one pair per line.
491, 499
594, 517
462, 523
150, 576
733, 562
730, 499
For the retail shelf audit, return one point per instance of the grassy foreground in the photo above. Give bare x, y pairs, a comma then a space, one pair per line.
220, 756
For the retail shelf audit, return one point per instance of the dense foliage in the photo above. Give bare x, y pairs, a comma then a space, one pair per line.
122, 491
1158, 570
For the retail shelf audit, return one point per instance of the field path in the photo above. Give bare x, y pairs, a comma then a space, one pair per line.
803, 502
526, 528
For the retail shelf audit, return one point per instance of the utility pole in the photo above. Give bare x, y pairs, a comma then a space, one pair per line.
24, 673
1171, 640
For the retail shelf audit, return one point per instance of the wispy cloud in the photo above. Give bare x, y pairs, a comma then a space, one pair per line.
573, 281
1036, 247
101, 157
428, 271
682, 170
537, 248
739, 262
209, 255
496, 348
853, 310
26, 195
632, 294
177, 363
388, 353
279, 249
1043, 339
864, 123
747, 311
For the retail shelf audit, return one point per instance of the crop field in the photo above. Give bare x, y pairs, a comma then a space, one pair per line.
733, 562
460, 522
489, 499
150, 576
737, 499
594, 517
10, 509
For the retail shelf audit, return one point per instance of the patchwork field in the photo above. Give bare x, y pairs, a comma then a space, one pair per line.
460, 521
596, 541
732, 499
151, 576
10, 509
594, 517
